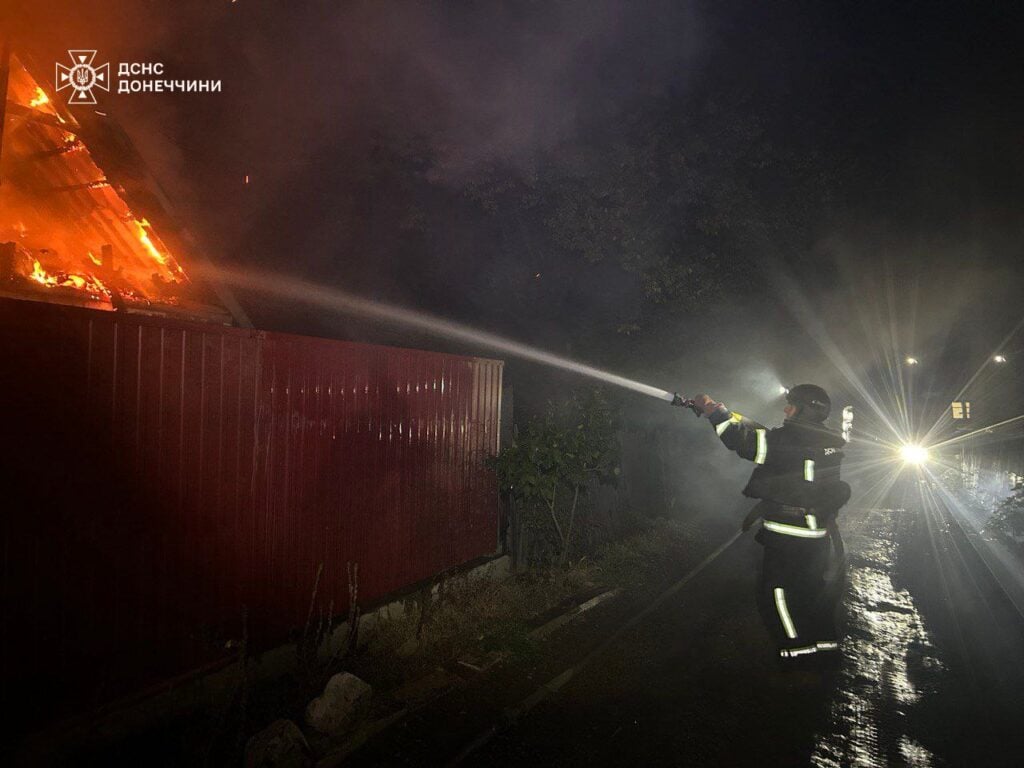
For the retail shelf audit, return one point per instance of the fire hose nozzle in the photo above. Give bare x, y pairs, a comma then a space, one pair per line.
679, 400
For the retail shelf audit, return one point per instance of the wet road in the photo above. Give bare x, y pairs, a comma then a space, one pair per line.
932, 673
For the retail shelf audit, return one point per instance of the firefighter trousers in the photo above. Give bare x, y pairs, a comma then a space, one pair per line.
796, 604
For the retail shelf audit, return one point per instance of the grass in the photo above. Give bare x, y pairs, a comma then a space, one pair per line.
647, 556
466, 617
486, 614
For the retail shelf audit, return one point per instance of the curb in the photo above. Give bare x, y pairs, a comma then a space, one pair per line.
559, 621
513, 714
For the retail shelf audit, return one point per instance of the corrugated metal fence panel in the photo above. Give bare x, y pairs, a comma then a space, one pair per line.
164, 477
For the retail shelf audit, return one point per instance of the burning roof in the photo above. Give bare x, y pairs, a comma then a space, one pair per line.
67, 231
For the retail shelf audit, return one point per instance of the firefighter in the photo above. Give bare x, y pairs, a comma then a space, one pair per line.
796, 479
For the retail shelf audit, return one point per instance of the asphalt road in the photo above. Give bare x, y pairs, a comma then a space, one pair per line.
932, 673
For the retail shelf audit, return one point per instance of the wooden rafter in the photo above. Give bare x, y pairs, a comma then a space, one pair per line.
5, 71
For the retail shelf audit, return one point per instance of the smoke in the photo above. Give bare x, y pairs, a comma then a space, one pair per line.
309, 86
916, 252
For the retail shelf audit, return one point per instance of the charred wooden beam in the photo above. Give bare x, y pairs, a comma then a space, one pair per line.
31, 115
117, 300
99, 184
63, 149
107, 256
5, 72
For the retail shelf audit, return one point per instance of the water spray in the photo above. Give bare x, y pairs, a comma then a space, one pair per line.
347, 303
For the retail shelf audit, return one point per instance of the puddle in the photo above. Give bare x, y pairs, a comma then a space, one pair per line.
888, 661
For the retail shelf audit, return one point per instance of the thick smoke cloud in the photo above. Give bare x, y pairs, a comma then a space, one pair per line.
920, 251
478, 84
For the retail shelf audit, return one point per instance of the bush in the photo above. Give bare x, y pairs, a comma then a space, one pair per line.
551, 461
1008, 518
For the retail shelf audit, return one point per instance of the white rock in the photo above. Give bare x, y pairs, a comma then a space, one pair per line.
344, 700
279, 745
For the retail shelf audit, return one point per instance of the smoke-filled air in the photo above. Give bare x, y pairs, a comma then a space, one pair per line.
338, 343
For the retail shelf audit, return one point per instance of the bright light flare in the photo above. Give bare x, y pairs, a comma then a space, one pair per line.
999, 359
912, 361
914, 454
783, 390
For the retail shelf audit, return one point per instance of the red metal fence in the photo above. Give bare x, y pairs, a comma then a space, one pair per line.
162, 477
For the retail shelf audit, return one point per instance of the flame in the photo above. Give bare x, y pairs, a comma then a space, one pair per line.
140, 227
38, 273
60, 251
40, 98
80, 272
89, 283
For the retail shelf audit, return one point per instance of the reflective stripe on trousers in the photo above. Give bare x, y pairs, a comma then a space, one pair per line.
796, 530
783, 611
824, 645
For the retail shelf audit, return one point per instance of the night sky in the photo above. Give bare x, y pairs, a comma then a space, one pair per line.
702, 194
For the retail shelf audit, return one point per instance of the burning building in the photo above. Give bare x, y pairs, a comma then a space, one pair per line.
173, 482
75, 229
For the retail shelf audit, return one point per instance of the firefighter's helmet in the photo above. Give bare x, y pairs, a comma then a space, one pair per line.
813, 401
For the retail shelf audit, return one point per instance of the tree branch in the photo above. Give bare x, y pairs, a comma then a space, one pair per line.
572, 519
554, 518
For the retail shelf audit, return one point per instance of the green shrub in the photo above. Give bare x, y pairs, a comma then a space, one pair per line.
1008, 518
551, 460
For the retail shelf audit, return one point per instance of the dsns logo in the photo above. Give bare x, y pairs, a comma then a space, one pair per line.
81, 77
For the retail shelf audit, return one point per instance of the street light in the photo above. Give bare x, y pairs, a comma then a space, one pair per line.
911, 361
999, 359
914, 454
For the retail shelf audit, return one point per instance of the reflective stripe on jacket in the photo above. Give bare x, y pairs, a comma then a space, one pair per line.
797, 472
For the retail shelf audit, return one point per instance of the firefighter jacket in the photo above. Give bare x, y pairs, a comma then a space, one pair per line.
797, 473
